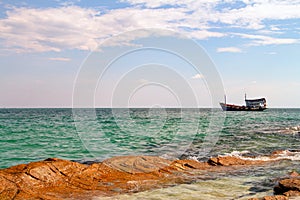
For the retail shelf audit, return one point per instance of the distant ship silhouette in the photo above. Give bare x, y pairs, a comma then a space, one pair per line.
251, 105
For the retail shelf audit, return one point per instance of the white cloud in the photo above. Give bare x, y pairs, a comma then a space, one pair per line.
197, 76
48, 29
267, 40
271, 53
60, 59
203, 34
160, 3
274, 28
72, 27
229, 49
269, 32
252, 15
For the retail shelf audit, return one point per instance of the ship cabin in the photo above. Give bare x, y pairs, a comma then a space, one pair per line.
256, 103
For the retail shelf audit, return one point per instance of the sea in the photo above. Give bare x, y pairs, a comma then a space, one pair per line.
93, 135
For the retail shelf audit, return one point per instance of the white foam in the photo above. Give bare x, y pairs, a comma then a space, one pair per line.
284, 155
290, 130
236, 153
193, 158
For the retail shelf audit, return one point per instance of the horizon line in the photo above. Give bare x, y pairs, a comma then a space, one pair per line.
133, 107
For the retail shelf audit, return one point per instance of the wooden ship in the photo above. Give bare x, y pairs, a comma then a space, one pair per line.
251, 105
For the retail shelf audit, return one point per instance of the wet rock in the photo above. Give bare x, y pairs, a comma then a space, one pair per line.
237, 160
276, 197
190, 164
288, 187
60, 179
55, 178
294, 174
232, 160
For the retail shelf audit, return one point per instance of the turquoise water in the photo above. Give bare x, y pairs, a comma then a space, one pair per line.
35, 134
93, 135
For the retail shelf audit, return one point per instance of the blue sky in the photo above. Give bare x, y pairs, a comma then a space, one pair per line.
254, 45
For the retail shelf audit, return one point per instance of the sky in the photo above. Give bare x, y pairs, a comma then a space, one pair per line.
47, 48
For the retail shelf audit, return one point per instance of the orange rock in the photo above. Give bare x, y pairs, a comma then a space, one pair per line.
55, 178
232, 160
276, 197
294, 174
286, 185
59, 179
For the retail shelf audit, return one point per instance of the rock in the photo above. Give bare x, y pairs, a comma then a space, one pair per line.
8, 189
294, 174
58, 179
232, 160
288, 186
137, 164
276, 197
190, 164
292, 193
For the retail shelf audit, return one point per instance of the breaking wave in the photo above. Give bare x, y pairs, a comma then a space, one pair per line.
293, 155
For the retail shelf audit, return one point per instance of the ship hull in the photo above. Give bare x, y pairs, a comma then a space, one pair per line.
232, 107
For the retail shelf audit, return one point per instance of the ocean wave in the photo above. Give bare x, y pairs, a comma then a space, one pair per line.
293, 155
292, 130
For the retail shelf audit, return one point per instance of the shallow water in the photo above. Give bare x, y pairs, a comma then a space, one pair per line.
242, 184
94, 135
211, 189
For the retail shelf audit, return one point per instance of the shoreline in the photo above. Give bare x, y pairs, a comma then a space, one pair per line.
55, 178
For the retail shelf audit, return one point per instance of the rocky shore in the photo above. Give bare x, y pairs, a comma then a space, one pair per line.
56, 179
287, 187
